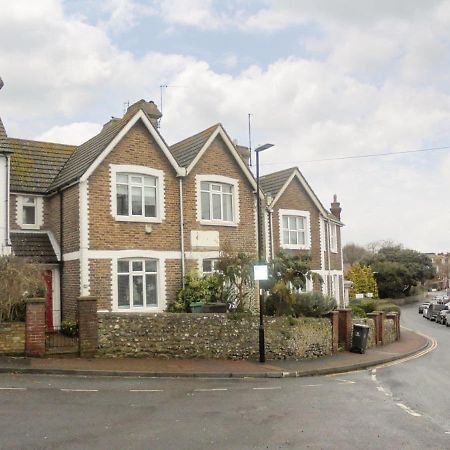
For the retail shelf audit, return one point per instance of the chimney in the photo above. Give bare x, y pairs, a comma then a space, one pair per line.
149, 108
243, 151
336, 208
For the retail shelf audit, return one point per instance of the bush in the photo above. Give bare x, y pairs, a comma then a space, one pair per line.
199, 288
357, 311
388, 307
313, 304
368, 305
69, 328
19, 279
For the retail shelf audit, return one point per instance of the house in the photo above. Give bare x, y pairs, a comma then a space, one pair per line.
297, 223
124, 216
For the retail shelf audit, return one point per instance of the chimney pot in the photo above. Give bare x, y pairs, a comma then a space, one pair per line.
336, 207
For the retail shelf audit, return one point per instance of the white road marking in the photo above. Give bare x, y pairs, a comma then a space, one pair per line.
12, 389
266, 388
409, 410
447, 432
79, 390
210, 390
342, 381
146, 390
311, 385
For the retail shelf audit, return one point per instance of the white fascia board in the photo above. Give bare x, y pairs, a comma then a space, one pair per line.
220, 131
138, 116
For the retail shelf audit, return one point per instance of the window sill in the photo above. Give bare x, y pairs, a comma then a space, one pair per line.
29, 227
218, 223
137, 219
154, 309
295, 247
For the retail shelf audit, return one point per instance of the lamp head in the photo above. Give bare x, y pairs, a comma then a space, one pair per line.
261, 148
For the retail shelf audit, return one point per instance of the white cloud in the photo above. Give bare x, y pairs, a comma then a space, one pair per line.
380, 84
73, 134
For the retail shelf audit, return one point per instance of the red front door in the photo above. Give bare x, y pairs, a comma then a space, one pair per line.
47, 274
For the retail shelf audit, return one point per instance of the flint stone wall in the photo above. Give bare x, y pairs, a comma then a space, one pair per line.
169, 335
389, 332
371, 324
12, 338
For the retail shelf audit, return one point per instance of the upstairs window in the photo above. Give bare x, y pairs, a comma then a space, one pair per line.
217, 201
138, 194
137, 284
294, 229
29, 212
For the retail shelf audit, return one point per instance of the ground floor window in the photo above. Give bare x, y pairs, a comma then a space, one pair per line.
210, 265
137, 281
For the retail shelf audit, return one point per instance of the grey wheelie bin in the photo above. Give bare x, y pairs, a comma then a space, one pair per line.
359, 338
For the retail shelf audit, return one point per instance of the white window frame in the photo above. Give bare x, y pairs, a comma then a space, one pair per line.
138, 170
298, 213
39, 212
145, 308
218, 179
214, 262
333, 238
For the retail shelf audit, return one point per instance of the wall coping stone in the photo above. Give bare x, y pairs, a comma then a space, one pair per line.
36, 300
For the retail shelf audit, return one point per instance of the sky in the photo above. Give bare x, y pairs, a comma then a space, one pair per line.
328, 82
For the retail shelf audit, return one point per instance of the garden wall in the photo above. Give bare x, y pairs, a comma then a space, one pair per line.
390, 334
12, 338
224, 336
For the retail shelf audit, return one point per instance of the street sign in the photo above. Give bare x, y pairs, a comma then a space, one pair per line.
260, 272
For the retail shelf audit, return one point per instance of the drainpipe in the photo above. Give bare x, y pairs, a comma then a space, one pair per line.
329, 282
182, 231
8, 239
270, 246
61, 247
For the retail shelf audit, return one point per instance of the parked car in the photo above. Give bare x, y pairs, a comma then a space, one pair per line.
433, 310
422, 306
425, 311
442, 316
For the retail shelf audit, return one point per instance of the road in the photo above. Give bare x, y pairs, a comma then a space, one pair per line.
401, 406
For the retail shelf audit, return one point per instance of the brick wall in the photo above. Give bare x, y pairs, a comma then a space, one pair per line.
52, 215
217, 160
100, 279
295, 197
210, 336
71, 220
105, 233
71, 289
12, 338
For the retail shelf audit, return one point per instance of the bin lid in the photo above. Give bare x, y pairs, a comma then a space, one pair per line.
360, 325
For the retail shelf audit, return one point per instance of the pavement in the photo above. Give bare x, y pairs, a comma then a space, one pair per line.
409, 344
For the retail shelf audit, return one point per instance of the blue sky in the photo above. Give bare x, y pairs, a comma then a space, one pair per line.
321, 78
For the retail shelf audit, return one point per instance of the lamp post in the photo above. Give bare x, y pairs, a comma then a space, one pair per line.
262, 351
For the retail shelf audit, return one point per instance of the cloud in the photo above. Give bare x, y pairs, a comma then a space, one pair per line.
375, 80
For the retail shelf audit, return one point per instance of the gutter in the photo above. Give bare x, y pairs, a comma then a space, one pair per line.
8, 200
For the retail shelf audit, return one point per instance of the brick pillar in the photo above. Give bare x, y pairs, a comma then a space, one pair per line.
345, 327
334, 319
88, 326
35, 327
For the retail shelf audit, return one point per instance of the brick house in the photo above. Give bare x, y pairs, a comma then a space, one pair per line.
124, 216
297, 223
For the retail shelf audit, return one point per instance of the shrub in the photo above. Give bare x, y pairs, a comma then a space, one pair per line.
19, 279
368, 305
199, 288
357, 311
69, 328
313, 304
388, 307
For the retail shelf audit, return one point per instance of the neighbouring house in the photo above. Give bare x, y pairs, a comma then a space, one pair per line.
440, 263
124, 216
297, 223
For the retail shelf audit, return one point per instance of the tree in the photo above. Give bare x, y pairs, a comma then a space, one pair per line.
19, 279
397, 270
363, 280
287, 276
353, 253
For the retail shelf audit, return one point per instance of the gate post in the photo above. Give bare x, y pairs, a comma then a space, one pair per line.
35, 327
345, 327
88, 326
334, 319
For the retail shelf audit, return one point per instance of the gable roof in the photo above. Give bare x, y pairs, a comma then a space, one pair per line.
275, 184
2, 131
35, 164
185, 151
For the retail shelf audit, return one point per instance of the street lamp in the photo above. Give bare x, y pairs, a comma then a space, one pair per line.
262, 352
